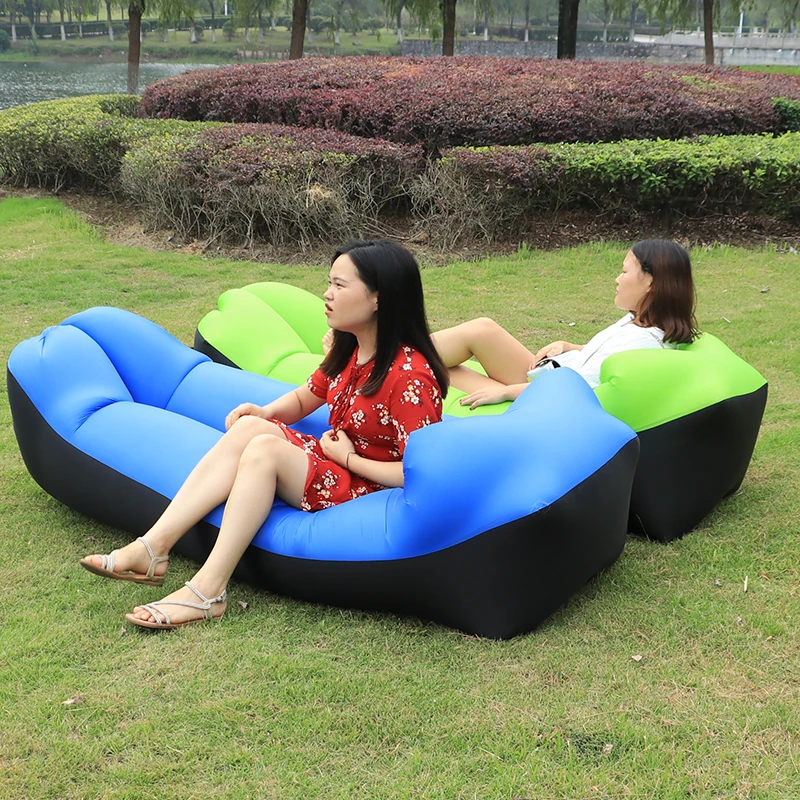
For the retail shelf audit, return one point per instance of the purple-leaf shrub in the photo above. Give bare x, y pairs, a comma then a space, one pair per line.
480, 101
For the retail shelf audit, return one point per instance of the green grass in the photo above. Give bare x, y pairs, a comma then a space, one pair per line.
775, 68
290, 700
178, 47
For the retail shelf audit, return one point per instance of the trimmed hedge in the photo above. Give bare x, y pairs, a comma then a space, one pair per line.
284, 184
73, 142
493, 192
274, 183
481, 101
209, 179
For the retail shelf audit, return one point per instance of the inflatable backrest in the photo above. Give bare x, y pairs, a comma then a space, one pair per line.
647, 388
274, 322
150, 361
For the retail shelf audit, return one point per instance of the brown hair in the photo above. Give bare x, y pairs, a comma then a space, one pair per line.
670, 302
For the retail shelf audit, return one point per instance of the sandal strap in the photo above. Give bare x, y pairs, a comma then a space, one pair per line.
155, 611
207, 602
154, 559
107, 561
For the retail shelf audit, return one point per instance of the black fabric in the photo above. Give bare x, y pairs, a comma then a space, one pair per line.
202, 346
687, 466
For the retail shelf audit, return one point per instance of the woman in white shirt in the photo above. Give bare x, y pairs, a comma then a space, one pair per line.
656, 290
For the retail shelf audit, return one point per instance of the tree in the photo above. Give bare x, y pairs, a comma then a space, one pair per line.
170, 10
61, 20
135, 11
110, 24
12, 11
708, 30
567, 28
299, 11
448, 8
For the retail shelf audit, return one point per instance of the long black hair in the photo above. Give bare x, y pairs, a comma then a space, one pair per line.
670, 302
392, 272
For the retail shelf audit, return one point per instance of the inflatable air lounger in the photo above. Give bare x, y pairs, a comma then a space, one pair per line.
502, 518
697, 409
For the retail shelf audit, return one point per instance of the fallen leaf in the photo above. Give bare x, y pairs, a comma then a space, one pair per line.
74, 701
739, 621
745, 583
726, 320
242, 604
607, 748
637, 658
123, 631
570, 324
765, 290
717, 582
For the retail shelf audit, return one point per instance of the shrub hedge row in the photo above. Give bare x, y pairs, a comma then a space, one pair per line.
269, 182
493, 191
481, 101
281, 184
76, 141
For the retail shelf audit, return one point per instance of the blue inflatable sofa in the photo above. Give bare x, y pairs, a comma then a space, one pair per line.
501, 520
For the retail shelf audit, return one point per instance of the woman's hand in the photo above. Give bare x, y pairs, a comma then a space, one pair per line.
336, 446
486, 397
553, 349
327, 341
244, 410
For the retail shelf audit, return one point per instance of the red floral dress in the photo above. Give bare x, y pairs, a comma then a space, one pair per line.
378, 425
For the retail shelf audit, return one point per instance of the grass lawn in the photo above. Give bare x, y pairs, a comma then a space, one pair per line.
224, 51
662, 679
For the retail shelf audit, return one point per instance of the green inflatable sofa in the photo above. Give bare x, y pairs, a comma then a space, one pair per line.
697, 410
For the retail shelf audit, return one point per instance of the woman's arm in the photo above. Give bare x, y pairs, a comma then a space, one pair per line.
554, 349
338, 447
289, 408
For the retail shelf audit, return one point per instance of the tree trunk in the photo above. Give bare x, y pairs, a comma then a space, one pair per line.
527, 20
110, 24
448, 27
567, 28
634, 8
298, 28
213, 23
61, 17
708, 30
135, 12
400, 25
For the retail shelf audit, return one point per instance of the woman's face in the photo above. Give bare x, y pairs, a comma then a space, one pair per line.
349, 304
633, 283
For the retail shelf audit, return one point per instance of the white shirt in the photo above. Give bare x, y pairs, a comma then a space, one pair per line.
622, 335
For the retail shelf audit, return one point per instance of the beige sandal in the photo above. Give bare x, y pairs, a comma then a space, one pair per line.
106, 568
167, 625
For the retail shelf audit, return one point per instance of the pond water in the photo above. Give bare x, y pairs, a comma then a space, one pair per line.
30, 83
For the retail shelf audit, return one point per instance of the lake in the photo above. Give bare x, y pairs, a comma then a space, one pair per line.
30, 83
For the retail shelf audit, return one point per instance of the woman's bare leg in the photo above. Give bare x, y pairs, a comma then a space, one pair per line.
208, 485
505, 359
268, 466
468, 380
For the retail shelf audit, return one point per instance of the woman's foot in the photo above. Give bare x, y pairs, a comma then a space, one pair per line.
184, 607
136, 562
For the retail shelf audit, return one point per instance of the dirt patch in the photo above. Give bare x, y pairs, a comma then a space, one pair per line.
122, 224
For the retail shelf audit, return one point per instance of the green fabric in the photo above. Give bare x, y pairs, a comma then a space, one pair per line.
260, 326
275, 329
647, 388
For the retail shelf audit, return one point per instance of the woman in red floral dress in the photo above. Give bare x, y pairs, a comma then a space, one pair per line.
382, 380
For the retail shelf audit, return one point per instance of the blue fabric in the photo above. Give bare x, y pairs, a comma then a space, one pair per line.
127, 393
